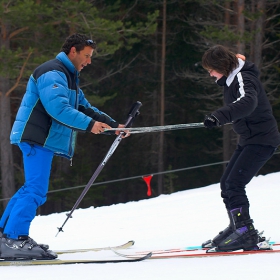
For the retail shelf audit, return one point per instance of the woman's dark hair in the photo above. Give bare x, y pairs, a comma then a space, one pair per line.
79, 41
220, 59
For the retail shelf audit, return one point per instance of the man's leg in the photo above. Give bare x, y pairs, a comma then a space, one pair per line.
37, 167
8, 209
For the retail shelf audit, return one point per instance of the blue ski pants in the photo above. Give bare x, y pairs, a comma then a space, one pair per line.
243, 166
21, 209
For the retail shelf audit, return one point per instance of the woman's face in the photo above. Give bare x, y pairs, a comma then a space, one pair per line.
214, 73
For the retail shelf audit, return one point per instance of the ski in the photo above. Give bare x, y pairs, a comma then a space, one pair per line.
64, 262
202, 253
197, 254
118, 247
187, 249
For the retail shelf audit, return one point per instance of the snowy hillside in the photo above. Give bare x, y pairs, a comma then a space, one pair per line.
169, 221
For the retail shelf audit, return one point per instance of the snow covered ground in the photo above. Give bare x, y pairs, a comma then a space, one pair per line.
169, 221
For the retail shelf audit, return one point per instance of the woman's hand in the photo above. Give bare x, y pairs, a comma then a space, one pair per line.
126, 132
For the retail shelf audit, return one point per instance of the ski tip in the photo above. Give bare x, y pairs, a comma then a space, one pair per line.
147, 256
136, 259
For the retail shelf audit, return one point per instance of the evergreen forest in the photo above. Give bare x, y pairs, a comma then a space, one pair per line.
148, 51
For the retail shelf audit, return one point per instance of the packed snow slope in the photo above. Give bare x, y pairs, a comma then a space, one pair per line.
169, 221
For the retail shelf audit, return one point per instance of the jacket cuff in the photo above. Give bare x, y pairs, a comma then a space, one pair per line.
217, 120
114, 124
90, 125
92, 122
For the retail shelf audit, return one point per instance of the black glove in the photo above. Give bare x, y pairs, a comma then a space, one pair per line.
211, 121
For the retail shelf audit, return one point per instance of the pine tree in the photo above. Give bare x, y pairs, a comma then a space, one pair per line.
33, 31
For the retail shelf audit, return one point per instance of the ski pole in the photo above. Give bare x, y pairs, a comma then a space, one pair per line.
131, 115
135, 130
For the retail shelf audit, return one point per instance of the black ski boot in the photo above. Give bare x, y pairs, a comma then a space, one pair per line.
244, 235
221, 236
24, 248
43, 246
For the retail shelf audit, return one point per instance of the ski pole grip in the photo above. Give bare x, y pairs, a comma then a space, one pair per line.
133, 113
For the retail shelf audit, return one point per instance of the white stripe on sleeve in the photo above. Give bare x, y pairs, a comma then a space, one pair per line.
241, 86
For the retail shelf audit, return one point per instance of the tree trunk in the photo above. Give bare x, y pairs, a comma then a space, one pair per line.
154, 105
229, 136
7, 169
259, 25
240, 25
162, 103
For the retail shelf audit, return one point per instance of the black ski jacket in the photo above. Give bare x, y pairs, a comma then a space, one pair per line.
247, 107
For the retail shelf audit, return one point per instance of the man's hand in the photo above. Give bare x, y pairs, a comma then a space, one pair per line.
99, 127
126, 134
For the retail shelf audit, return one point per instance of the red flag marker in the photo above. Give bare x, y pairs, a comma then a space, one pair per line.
148, 179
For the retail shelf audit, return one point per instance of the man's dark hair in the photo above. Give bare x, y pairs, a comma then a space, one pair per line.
220, 59
79, 41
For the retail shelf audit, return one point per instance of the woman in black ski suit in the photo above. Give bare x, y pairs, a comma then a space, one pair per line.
248, 109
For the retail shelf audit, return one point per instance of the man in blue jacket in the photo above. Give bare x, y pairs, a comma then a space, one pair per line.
248, 109
52, 111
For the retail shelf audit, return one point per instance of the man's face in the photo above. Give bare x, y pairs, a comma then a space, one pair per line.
82, 58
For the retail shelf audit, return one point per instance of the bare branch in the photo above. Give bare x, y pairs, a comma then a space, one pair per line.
13, 34
20, 75
115, 72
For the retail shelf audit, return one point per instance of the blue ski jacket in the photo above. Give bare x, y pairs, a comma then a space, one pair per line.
54, 108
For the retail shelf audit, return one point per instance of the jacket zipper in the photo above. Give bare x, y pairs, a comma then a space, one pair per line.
76, 107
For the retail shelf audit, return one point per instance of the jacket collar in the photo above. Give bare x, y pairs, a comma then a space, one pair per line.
222, 81
231, 76
67, 62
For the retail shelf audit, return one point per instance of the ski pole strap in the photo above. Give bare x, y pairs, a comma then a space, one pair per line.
135, 130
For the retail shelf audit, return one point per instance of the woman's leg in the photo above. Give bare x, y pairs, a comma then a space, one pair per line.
246, 162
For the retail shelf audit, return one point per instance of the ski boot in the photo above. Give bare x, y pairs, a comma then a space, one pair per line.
43, 246
24, 248
221, 235
225, 233
244, 235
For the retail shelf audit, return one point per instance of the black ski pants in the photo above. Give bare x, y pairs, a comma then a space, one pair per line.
244, 164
